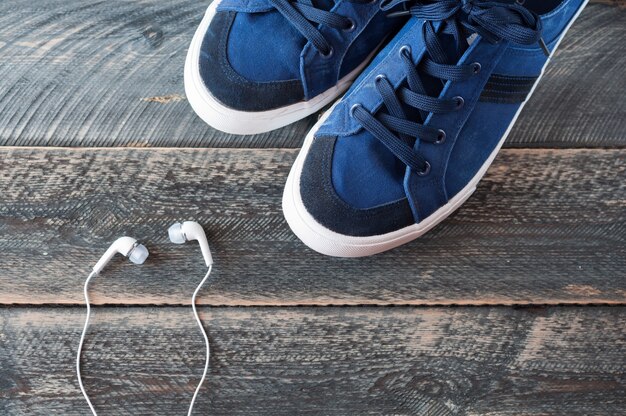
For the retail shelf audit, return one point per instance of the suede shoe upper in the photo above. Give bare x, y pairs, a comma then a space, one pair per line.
429, 113
259, 55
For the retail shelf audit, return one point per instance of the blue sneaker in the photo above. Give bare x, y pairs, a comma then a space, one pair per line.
257, 65
408, 143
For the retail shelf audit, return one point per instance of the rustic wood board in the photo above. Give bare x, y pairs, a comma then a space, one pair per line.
545, 226
97, 73
331, 361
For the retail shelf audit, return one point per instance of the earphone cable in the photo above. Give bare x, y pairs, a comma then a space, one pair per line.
82, 339
206, 339
86, 326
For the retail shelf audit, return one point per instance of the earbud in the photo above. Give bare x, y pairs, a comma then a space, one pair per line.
191, 230
137, 253
126, 246
179, 234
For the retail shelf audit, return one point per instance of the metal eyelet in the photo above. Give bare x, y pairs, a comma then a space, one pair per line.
424, 171
476, 67
380, 77
441, 137
405, 50
351, 27
460, 102
353, 109
330, 53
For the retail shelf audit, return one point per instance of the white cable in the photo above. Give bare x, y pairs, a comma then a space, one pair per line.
206, 340
80, 344
195, 312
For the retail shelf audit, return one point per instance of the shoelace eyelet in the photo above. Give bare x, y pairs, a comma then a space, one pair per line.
380, 77
351, 27
330, 53
491, 21
424, 171
405, 50
353, 109
476, 67
441, 137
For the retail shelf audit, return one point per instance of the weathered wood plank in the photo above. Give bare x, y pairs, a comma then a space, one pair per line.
331, 361
86, 73
545, 226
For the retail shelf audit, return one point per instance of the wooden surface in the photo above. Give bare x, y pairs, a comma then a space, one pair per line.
331, 361
547, 226
102, 73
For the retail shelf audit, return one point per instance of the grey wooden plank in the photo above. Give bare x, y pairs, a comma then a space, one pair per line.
571, 107
545, 226
93, 73
331, 361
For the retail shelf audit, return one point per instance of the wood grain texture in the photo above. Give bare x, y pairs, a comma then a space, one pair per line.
98, 73
311, 361
545, 226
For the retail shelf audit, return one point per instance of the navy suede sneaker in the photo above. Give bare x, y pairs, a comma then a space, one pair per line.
408, 143
257, 65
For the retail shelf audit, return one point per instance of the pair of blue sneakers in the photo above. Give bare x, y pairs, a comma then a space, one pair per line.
415, 132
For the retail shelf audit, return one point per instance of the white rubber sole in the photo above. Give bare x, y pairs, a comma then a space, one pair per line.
229, 120
326, 241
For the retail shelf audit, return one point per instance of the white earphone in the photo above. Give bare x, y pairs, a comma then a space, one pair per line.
126, 246
191, 230
179, 234
138, 253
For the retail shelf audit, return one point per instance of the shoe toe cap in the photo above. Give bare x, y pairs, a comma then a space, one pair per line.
231, 88
322, 202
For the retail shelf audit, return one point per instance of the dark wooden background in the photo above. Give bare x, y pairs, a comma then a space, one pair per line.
515, 305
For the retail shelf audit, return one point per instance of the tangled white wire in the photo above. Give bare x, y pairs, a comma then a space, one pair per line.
195, 313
